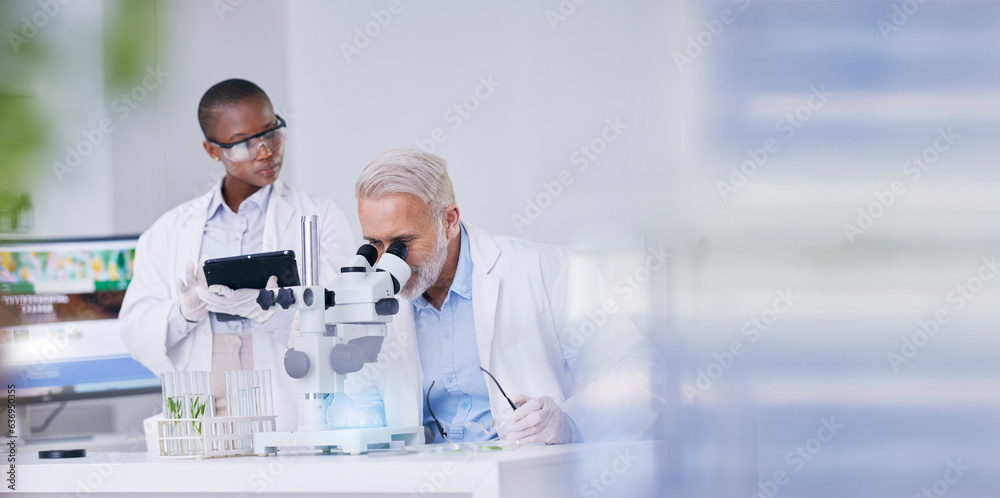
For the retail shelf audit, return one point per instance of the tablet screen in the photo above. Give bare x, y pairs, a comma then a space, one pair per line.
251, 271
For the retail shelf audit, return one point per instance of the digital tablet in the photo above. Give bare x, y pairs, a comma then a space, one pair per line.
251, 271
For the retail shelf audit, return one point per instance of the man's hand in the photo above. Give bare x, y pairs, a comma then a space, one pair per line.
539, 420
193, 308
240, 302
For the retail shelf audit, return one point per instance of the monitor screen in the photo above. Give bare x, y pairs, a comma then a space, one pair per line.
59, 331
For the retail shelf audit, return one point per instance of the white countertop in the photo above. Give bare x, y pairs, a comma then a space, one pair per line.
567, 470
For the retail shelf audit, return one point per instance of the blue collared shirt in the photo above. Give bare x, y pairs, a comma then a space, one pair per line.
228, 233
446, 340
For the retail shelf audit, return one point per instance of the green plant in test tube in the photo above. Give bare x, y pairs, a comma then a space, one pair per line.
197, 410
176, 406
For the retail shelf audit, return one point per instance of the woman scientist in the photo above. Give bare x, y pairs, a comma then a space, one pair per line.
169, 320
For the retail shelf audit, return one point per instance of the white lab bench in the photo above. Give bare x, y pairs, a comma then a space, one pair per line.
597, 469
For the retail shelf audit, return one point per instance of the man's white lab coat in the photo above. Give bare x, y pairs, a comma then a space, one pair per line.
174, 240
543, 328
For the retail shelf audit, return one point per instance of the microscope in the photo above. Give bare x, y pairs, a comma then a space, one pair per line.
342, 328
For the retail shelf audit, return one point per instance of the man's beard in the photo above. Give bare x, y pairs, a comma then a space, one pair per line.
428, 273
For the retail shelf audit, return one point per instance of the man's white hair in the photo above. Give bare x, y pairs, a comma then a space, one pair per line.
409, 171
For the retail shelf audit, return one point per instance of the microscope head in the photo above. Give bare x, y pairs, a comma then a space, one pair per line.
394, 262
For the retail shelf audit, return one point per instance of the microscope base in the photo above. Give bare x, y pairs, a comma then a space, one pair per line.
353, 441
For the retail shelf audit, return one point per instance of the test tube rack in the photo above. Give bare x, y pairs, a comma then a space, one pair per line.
220, 436
193, 430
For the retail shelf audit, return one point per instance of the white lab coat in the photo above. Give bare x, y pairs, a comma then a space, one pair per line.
174, 240
531, 303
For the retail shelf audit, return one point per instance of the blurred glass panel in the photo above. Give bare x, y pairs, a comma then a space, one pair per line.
881, 371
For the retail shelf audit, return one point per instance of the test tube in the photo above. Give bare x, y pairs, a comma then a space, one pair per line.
244, 405
229, 394
206, 379
192, 404
252, 391
237, 399
244, 392
206, 382
253, 394
184, 390
229, 406
167, 388
205, 389
254, 406
251, 400
180, 412
268, 404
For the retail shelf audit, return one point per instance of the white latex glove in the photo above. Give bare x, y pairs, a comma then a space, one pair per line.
193, 308
240, 302
295, 332
539, 420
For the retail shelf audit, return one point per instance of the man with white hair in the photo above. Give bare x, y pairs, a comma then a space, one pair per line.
487, 311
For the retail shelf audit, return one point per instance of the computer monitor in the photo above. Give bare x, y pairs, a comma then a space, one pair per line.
59, 332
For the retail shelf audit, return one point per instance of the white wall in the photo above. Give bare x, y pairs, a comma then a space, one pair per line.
555, 90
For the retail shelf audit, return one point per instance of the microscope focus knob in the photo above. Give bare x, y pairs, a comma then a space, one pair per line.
296, 363
265, 299
347, 358
285, 298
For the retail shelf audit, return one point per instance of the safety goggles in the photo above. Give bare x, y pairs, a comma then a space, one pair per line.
248, 148
468, 427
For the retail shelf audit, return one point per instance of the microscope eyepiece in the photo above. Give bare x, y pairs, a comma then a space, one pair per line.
394, 262
398, 249
369, 252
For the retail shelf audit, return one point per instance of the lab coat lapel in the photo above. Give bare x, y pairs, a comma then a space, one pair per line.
189, 241
279, 223
485, 290
190, 230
